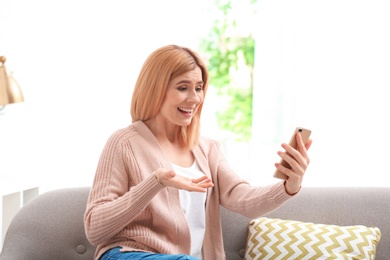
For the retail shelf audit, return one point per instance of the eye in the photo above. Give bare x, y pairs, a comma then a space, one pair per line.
182, 88
199, 88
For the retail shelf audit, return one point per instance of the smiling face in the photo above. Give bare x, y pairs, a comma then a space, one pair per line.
182, 99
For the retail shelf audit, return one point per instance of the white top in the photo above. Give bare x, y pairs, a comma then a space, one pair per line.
193, 205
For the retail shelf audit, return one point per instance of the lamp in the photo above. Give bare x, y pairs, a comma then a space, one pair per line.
10, 91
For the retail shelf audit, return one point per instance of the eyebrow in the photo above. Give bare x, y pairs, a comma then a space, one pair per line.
188, 81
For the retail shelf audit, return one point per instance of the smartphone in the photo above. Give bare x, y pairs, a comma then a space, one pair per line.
305, 133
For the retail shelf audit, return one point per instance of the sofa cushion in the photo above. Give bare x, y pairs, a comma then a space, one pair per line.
50, 226
289, 239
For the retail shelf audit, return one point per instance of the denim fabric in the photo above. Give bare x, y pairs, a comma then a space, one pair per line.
115, 254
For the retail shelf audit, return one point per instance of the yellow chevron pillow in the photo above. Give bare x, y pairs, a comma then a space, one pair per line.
270, 238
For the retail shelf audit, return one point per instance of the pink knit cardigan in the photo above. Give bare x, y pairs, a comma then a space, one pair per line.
128, 207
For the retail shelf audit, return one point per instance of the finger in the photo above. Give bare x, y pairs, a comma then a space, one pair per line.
196, 189
298, 163
203, 181
172, 174
300, 144
283, 169
206, 183
168, 174
200, 187
302, 149
290, 153
308, 144
200, 179
290, 160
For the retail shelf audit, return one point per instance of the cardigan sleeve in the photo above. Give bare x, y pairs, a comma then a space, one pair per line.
118, 193
238, 195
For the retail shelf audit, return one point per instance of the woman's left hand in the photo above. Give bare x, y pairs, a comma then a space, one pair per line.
298, 159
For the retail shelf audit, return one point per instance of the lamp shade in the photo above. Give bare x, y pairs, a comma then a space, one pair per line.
10, 91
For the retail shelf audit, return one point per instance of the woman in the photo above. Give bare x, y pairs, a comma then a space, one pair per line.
159, 185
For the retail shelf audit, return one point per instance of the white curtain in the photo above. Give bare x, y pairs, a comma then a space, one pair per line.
324, 65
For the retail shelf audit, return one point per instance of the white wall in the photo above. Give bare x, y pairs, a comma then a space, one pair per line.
76, 62
325, 65
320, 64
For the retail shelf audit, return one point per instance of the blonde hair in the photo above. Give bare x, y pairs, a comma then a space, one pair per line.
159, 68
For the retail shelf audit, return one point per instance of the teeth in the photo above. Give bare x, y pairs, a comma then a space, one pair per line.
186, 110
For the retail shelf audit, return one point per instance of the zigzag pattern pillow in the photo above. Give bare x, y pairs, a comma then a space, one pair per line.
287, 239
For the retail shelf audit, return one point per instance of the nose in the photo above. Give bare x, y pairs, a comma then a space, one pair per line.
194, 97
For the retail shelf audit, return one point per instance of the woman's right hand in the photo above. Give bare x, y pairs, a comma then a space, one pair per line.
171, 179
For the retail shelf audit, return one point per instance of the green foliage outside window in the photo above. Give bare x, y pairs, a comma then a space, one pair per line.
230, 50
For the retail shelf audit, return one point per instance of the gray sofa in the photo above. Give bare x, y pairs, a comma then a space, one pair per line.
51, 225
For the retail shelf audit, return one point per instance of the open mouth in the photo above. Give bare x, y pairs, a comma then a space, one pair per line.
186, 110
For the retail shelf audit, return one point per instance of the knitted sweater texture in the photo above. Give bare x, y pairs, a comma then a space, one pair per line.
128, 207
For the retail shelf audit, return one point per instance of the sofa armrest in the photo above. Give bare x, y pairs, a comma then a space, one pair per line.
369, 206
51, 226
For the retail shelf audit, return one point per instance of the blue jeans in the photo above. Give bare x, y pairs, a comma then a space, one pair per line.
115, 254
